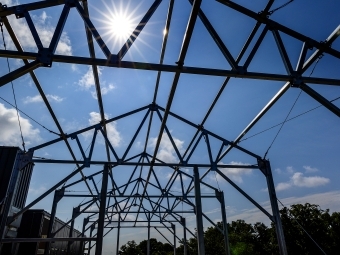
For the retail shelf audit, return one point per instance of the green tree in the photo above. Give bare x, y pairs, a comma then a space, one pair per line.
131, 248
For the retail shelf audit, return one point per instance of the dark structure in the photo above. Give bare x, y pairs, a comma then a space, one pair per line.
114, 204
15, 176
34, 224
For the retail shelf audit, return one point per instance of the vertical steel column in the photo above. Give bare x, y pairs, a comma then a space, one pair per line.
184, 235
148, 244
264, 166
58, 195
198, 211
93, 226
118, 234
82, 245
102, 209
174, 229
75, 213
220, 198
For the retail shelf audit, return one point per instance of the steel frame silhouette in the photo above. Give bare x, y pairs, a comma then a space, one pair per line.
114, 203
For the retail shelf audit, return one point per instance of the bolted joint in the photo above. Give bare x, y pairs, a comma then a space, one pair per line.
180, 64
153, 106
297, 81
3, 7
45, 57
262, 163
71, 3
59, 194
241, 70
19, 12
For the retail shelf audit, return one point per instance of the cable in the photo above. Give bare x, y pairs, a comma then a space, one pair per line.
282, 125
278, 8
287, 120
15, 100
31, 118
292, 106
217, 182
292, 216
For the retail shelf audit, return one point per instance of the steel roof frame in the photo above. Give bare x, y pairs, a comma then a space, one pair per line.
112, 200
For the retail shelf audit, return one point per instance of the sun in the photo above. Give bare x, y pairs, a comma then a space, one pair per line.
121, 26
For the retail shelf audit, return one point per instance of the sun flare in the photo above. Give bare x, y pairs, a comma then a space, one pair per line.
121, 26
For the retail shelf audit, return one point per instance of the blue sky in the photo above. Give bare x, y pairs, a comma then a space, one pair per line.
304, 157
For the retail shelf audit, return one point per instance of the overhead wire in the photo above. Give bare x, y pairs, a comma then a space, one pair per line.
291, 109
30, 117
280, 7
13, 91
299, 115
293, 217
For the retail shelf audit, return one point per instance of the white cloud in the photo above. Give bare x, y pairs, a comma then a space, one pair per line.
10, 133
313, 181
235, 173
104, 90
310, 169
299, 180
278, 170
36, 191
166, 151
111, 128
44, 29
38, 99
282, 186
87, 83
290, 169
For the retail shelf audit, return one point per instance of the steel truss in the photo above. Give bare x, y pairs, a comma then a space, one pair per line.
107, 205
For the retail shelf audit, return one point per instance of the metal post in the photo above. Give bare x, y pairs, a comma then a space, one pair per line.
118, 234
75, 213
82, 245
184, 235
264, 166
198, 210
102, 209
91, 231
148, 245
220, 197
58, 195
174, 229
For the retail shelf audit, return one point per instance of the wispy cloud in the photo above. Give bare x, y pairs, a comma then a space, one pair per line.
310, 169
166, 151
299, 180
111, 128
10, 133
44, 29
38, 99
86, 82
235, 173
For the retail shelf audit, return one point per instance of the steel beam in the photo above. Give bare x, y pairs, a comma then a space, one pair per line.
198, 211
58, 195
266, 169
220, 198
100, 228
308, 90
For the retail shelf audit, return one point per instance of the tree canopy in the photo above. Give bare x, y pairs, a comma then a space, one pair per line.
259, 239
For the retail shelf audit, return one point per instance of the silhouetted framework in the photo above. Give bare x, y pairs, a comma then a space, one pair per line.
108, 204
